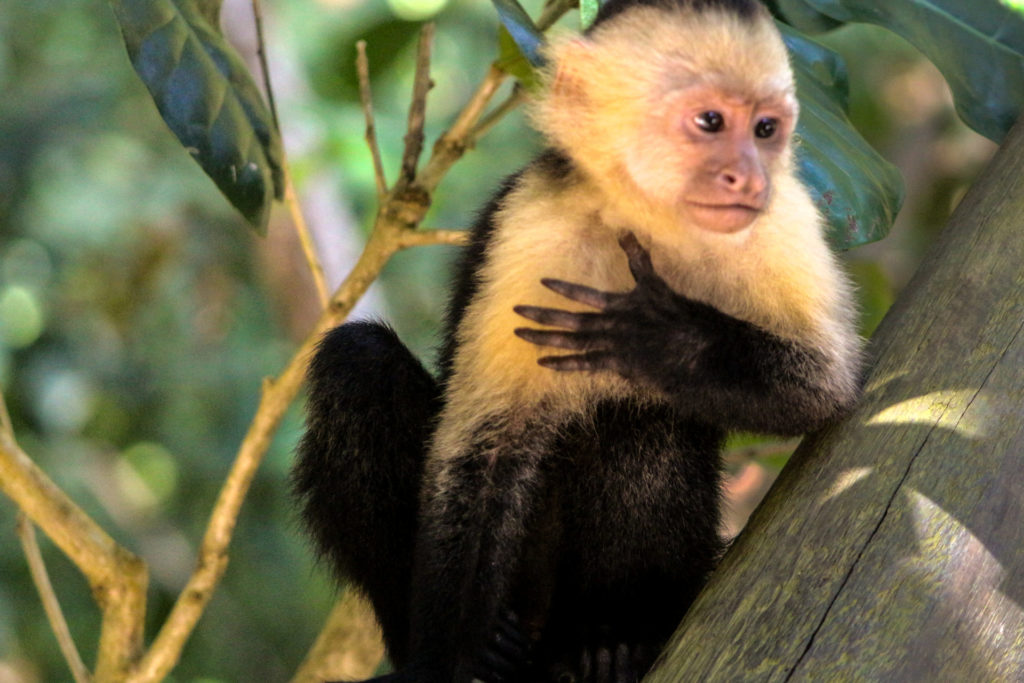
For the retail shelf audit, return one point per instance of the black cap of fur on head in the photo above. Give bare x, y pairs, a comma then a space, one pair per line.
746, 9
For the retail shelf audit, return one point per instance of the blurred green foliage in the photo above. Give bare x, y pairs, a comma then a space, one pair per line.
138, 315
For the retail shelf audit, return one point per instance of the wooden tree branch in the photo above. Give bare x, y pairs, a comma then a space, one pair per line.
453, 143
892, 545
423, 238
261, 54
291, 200
363, 71
417, 109
517, 97
117, 577
51, 605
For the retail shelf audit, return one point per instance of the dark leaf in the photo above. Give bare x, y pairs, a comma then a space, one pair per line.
978, 46
206, 96
522, 29
799, 15
857, 190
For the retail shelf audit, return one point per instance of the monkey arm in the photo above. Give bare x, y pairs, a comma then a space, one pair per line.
708, 363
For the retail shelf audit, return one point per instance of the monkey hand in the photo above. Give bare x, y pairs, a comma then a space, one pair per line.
631, 331
607, 662
506, 655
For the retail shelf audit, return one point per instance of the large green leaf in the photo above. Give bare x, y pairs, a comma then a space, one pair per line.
857, 190
978, 45
206, 96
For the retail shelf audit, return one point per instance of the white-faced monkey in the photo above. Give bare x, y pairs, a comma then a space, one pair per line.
549, 507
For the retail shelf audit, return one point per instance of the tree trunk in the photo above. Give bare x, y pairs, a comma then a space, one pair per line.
892, 546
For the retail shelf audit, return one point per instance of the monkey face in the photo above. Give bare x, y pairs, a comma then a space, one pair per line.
712, 154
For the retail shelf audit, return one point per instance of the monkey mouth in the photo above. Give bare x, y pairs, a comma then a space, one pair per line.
724, 217
728, 207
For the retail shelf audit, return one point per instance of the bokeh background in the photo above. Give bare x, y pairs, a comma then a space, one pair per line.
138, 313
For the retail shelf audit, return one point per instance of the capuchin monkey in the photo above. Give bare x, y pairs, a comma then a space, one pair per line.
548, 508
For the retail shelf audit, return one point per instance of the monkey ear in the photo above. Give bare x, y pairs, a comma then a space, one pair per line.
573, 60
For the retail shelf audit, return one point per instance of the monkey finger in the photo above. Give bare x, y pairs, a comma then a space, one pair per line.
582, 293
577, 322
508, 628
639, 258
582, 362
492, 667
603, 665
573, 341
623, 665
586, 665
503, 653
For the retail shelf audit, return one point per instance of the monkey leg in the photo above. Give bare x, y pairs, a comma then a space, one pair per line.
360, 463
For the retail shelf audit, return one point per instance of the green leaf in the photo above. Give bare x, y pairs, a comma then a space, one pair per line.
588, 12
799, 15
206, 96
521, 28
857, 191
512, 61
978, 46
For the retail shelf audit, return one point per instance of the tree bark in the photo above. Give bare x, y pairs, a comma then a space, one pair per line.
892, 546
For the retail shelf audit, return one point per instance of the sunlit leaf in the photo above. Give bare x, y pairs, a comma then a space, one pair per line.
857, 190
588, 12
512, 61
206, 96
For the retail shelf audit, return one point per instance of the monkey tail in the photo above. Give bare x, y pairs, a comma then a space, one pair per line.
370, 412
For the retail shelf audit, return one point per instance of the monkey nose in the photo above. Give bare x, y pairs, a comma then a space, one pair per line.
744, 179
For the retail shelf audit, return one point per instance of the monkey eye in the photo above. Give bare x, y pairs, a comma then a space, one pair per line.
710, 121
766, 127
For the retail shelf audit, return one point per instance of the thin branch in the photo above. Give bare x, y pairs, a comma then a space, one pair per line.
291, 198
363, 71
261, 53
425, 238
517, 97
51, 605
417, 107
277, 396
213, 556
117, 577
553, 11
453, 143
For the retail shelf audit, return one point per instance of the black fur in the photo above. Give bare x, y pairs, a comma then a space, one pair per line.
369, 416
